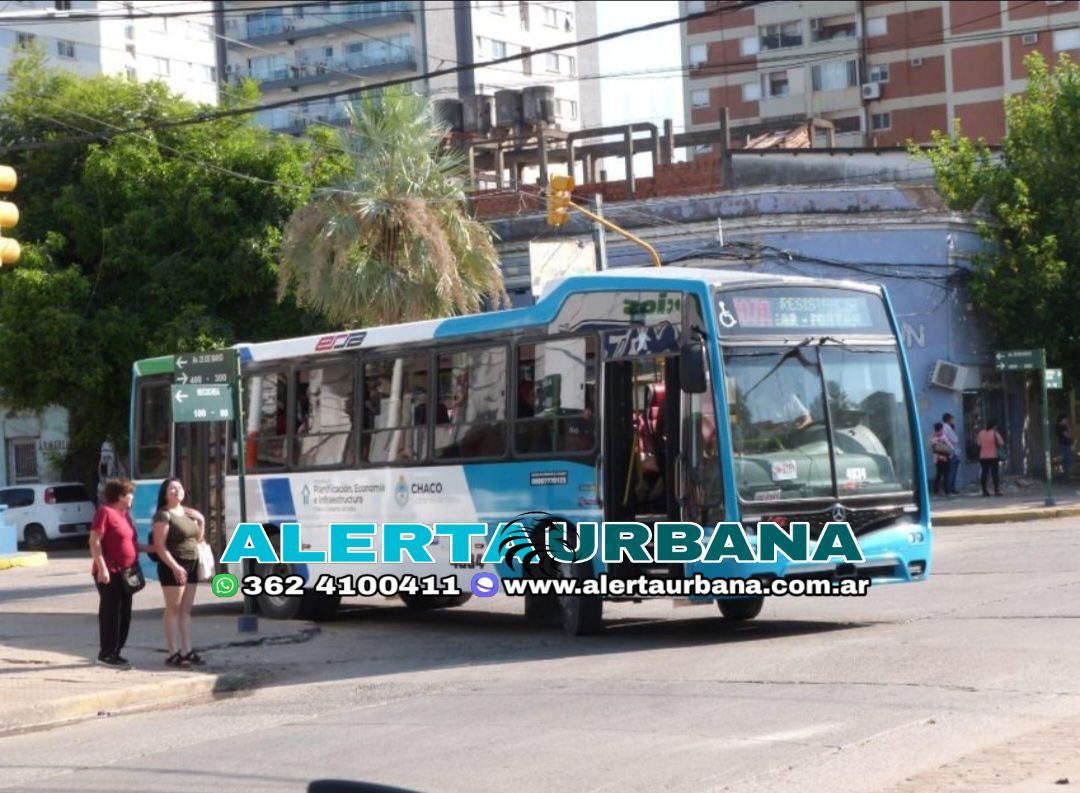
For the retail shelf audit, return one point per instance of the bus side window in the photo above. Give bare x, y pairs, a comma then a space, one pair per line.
323, 416
152, 442
267, 419
555, 407
395, 414
471, 419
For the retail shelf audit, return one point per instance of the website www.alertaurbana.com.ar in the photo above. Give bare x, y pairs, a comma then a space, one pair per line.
696, 586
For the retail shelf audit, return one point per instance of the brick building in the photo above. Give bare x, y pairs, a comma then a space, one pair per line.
881, 71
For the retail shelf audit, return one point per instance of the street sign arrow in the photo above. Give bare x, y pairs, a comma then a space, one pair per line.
181, 396
181, 378
181, 362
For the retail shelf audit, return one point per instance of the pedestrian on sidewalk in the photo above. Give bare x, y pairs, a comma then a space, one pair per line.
1065, 444
941, 451
949, 429
177, 532
114, 549
991, 445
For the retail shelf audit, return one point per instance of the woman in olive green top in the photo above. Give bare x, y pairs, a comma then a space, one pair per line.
177, 532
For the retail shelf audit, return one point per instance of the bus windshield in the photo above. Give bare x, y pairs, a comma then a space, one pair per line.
813, 421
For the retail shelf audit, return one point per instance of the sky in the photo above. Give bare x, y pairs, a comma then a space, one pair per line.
641, 97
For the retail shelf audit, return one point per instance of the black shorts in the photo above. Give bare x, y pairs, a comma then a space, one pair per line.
166, 577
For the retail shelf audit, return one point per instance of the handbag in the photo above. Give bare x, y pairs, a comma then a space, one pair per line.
206, 562
131, 578
941, 447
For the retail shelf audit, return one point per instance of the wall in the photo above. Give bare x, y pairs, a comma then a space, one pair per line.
50, 427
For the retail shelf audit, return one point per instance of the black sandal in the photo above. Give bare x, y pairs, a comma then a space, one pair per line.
176, 660
194, 659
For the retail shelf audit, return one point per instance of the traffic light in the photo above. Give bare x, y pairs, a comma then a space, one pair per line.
9, 217
558, 199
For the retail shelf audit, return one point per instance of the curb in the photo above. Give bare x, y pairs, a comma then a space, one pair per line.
23, 559
1003, 516
142, 697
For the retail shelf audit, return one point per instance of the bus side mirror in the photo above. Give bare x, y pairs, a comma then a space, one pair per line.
692, 368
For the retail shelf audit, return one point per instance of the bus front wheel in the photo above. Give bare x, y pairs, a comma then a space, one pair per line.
580, 615
740, 610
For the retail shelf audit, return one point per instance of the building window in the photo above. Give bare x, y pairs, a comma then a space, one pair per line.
699, 55
200, 32
23, 467
566, 108
832, 28
129, 72
880, 121
130, 49
551, 17
776, 84
878, 26
63, 5
750, 45
24, 40
1067, 40
699, 98
65, 49
879, 73
751, 92
161, 66
776, 37
491, 48
561, 64
846, 125
129, 32
695, 6
835, 76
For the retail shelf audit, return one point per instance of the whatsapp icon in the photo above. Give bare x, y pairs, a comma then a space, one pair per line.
224, 585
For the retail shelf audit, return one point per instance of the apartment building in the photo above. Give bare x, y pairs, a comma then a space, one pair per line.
301, 51
882, 72
133, 39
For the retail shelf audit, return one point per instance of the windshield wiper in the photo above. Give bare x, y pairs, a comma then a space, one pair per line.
795, 351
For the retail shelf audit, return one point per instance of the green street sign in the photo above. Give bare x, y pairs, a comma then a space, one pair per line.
205, 368
1020, 360
1053, 378
192, 403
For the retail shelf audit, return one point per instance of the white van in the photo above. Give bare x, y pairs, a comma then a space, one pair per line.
41, 513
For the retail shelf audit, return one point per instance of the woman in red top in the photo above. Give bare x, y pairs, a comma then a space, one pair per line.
113, 546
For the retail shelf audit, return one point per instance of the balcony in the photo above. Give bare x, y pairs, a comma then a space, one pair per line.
339, 17
399, 59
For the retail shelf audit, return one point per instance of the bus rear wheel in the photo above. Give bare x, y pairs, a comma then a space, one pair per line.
740, 610
429, 602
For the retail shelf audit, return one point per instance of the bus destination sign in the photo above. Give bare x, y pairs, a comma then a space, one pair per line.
802, 310
217, 367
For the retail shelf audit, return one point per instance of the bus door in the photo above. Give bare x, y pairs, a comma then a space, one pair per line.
641, 406
200, 460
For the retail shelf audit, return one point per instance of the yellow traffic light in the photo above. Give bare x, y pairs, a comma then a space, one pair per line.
558, 199
9, 217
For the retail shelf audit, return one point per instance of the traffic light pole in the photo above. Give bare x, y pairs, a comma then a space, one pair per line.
619, 230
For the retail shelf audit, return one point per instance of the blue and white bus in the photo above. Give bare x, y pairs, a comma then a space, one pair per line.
635, 395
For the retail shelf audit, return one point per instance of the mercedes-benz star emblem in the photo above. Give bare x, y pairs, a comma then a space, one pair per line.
838, 512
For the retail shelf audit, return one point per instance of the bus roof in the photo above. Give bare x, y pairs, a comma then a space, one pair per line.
542, 312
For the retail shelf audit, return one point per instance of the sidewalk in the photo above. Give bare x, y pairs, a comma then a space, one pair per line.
48, 643
1022, 500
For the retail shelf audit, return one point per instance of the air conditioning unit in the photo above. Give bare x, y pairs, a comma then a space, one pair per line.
1030, 38
954, 377
871, 91
916, 61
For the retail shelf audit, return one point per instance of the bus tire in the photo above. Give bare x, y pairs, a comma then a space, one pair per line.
541, 608
429, 602
580, 615
317, 607
740, 610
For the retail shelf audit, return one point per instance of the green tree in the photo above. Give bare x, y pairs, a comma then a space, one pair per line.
136, 244
391, 240
1028, 287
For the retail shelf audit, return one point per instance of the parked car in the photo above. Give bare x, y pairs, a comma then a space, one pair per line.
47, 512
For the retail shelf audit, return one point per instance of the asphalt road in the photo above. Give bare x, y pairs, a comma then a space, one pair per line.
969, 681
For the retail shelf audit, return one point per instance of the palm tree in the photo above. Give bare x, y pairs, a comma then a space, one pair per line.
392, 240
